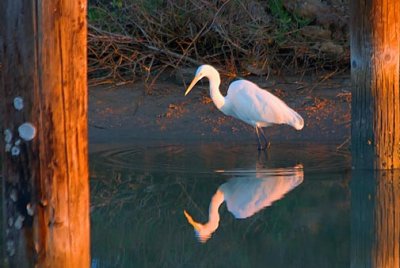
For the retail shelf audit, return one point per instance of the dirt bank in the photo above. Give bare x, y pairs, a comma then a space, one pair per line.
124, 113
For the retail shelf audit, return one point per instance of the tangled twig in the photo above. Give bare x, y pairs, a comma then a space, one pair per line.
138, 40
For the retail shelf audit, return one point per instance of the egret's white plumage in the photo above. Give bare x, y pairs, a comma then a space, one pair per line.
248, 102
247, 194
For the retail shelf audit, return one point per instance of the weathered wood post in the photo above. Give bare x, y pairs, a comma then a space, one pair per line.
375, 59
375, 138
43, 99
375, 218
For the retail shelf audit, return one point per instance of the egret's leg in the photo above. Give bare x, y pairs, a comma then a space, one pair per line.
263, 157
267, 143
258, 140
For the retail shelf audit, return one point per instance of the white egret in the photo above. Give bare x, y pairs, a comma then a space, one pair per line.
249, 103
247, 194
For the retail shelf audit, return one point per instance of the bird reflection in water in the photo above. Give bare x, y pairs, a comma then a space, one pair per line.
247, 193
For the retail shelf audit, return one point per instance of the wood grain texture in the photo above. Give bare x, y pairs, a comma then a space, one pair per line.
44, 62
375, 59
375, 219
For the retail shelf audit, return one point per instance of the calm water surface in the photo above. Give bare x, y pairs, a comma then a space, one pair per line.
289, 207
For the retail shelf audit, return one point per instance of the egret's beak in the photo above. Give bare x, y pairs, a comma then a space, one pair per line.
195, 80
189, 218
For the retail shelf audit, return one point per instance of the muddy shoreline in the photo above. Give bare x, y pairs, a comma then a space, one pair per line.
126, 114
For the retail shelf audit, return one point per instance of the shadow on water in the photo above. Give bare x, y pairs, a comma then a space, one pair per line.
139, 194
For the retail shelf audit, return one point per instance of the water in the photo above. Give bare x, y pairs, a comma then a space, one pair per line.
139, 194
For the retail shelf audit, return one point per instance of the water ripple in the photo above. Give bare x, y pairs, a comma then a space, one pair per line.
210, 158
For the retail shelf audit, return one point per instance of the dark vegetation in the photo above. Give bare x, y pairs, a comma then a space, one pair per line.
131, 39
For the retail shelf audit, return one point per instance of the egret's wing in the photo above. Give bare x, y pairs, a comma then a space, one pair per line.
246, 195
252, 104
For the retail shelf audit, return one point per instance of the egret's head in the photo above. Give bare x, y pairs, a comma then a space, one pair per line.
203, 71
202, 233
299, 123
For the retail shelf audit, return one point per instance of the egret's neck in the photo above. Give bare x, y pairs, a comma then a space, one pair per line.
215, 94
204, 231
213, 217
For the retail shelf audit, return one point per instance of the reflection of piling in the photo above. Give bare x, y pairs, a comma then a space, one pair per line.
375, 219
44, 103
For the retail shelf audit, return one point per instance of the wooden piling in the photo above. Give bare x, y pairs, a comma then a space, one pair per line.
44, 133
375, 73
375, 219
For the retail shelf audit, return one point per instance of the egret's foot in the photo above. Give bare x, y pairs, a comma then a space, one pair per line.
265, 147
262, 158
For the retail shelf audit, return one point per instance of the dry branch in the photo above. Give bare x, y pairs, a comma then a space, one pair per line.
139, 39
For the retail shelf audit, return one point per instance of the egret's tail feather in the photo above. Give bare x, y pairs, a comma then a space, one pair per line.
297, 121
